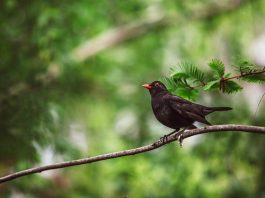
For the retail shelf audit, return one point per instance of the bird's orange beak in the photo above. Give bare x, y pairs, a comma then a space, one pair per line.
147, 86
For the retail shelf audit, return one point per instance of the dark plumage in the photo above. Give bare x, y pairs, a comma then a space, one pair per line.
176, 112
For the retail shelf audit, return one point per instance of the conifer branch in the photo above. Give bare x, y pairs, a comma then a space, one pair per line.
187, 78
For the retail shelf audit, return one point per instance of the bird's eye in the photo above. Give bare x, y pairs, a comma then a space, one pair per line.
157, 84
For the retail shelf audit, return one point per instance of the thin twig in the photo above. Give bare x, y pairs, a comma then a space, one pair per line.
223, 80
255, 114
244, 74
171, 138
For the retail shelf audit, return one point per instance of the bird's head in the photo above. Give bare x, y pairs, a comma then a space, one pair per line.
155, 87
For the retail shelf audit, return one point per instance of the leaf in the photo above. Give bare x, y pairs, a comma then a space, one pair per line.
194, 72
255, 78
217, 66
187, 93
212, 85
231, 87
168, 82
190, 71
186, 75
183, 83
247, 67
180, 88
227, 75
180, 75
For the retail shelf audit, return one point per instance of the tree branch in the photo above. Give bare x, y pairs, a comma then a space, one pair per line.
222, 80
171, 138
245, 74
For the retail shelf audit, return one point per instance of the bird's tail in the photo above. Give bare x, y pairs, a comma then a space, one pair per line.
220, 108
212, 109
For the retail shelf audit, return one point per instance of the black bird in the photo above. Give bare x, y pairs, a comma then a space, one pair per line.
176, 112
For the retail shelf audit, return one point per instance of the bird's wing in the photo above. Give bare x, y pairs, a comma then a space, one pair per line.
187, 109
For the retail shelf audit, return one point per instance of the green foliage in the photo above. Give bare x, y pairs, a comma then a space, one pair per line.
212, 85
185, 79
230, 87
192, 72
255, 78
250, 72
186, 93
243, 66
218, 67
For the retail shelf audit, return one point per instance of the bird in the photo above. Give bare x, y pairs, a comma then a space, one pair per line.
176, 112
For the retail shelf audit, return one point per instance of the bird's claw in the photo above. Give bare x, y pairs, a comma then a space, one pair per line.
179, 136
180, 139
163, 139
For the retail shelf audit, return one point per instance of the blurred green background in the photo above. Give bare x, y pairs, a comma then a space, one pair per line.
70, 87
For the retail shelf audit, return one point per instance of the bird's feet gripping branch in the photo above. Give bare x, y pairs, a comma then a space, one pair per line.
163, 139
178, 134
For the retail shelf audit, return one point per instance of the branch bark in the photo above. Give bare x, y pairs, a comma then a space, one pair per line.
169, 139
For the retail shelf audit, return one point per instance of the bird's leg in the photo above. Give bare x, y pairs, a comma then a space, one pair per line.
180, 139
179, 136
164, 138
